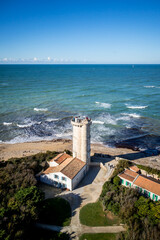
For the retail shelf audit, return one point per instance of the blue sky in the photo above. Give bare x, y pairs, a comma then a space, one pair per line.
79, 31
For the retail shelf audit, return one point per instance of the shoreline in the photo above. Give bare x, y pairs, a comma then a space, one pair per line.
18, 150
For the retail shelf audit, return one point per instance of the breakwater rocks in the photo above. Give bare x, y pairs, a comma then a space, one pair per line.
138, 143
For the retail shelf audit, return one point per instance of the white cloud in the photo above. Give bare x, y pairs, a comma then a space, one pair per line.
35, 59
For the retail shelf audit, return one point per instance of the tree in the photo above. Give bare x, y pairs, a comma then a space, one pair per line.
22, 210
116, 180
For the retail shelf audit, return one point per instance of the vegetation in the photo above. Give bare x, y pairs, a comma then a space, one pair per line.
98, 236
20, 211
20, 199
43, 234
141, 215
68, 152
56, 211
92, 214
149, 170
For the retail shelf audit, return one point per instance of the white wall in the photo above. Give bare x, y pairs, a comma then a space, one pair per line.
79, 177
124, 184
50, 178
71, 183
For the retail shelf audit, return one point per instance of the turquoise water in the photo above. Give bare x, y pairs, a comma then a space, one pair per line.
38, 101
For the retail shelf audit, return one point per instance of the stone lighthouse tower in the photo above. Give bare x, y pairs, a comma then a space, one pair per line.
81, 138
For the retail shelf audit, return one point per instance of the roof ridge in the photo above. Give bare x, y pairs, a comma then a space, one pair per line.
136, 178
67, 164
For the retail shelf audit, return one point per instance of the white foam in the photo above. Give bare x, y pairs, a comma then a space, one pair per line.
7, 123
62, 135
105, 119
109, 131
51, 119
28, 124
133, 115
124, 118
24, 125
149, 86
41, 109
21, 139
104, 105
110, 120
135, 107
97, 122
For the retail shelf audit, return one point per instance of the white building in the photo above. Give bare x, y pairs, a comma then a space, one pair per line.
64, 170
148, 186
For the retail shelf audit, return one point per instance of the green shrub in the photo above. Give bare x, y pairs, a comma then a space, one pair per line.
116, 180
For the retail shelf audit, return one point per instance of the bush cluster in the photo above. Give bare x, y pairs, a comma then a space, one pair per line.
20, 199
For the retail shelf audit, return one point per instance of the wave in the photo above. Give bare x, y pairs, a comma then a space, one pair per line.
106, 119
63, 135
41, 109
22, 139
105, 105
124, 118
51, 119
133, 115
135, 107
97, 122
7, 123
24, 126
27, 125
149, 86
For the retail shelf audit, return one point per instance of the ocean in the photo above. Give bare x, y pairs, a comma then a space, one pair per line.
37, 102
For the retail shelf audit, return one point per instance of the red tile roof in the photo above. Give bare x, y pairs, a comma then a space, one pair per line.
134, 168
131, 173
59, 167
128, 175
146, 183
60, 158
73, 168
69, 166
129, 178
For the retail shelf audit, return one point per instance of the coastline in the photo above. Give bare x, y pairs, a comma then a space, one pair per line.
18, 150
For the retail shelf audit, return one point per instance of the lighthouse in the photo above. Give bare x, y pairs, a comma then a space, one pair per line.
81, 138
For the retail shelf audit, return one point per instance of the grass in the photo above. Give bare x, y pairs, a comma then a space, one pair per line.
92, 214
98, 236
56, 211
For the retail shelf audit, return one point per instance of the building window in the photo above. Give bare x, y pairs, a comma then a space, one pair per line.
55, 183
155, 197
127, 183
56, 176
146, 193
122, 181
64, 179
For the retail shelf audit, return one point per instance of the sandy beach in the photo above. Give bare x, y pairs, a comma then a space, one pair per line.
30, 148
